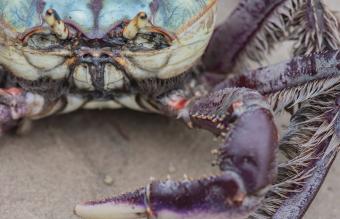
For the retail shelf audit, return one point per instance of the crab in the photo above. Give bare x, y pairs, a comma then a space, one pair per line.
167, 57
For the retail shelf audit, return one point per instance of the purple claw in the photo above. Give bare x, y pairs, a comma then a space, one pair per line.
251, 136
215, 197
251, 150
246, 159
127, 206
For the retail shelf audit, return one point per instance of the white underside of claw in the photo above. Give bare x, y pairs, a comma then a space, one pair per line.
110, 211
197, 215
121, 211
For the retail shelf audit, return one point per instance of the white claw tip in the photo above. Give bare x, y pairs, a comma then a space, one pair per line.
110, 211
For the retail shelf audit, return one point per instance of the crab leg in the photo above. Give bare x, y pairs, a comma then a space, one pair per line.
7, 114
296, 206
255, 26
291, 80
246, 160
16, 104
250, 30
311, 144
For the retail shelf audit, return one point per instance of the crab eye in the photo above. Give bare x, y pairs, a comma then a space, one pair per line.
143, 16
49, 12
43, 41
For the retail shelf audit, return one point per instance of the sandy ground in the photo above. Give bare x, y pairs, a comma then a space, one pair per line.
65, 159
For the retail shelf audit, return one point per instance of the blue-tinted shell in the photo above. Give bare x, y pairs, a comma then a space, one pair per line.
96, 17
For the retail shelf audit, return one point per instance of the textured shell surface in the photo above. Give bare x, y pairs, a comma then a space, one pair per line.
95, 54
96, 17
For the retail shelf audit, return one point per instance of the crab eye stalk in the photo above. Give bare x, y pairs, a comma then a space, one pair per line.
141, 24
142, 16
136, 25
57, 24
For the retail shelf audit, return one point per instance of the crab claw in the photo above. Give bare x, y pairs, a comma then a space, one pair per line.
217, 197
246, 160
126, 206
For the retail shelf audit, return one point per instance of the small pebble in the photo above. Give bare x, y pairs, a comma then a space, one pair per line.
108, 180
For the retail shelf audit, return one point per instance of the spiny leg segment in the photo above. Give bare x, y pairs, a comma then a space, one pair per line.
254, 27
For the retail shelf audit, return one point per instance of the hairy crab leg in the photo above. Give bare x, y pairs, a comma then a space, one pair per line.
250, 31
255, 26
296, 206
247, 159
311, 145
289, 81
314, 28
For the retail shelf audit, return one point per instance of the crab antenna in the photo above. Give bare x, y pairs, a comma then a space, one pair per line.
57, 24
141, 24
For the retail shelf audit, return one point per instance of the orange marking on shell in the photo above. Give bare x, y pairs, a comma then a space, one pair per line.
71, 61
24, 37
120, 61
168, 36
195, 18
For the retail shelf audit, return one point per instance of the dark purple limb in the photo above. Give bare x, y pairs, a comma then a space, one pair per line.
247, 160
12, 109
323, 154
18, 106
296, 206
214, 197
243, 116
231, 39
296, 72
7, 124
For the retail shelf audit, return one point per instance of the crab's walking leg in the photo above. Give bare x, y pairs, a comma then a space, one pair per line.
7, 113
249, 32
297, 204
16, 105
291, 81
246, 159
255, 26
311, 144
